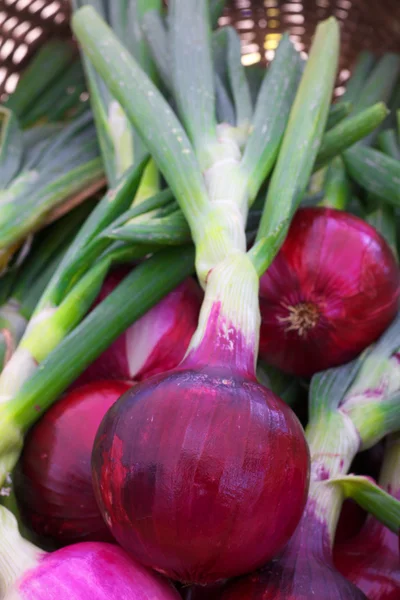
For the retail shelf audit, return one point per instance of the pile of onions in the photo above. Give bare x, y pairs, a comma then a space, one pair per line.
201, 473
156, 342
53, 480
331, 291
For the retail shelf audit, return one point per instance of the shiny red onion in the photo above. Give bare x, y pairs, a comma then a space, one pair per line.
156, 342
305, 570
330, 292
53, 482
90, 571
202, 473
371, 561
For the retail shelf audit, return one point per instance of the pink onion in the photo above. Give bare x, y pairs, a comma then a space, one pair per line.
156, 342
201, 473
90, 571
53, 481
331, 291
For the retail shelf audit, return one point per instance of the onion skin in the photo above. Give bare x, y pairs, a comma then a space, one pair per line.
53, 482
305, 570
344, 275
202, 473
91, 571
156, 342
371, 561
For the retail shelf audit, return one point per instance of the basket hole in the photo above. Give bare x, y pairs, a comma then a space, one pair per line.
222, 21
50, 10
10, 24
6, 49
296, 19
251, 59
22, 28
21, 4
20, 53
292, 7
33, 35
245, 24
60, 18
11, 83
37, 5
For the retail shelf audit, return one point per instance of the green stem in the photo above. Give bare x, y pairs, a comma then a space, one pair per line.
146, 285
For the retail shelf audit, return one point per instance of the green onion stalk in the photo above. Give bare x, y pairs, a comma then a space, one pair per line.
121, 145
42, 171
212, 178
351, 408
32, 277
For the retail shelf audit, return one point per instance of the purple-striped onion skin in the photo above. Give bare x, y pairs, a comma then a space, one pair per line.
53, 480
371, 561
315, 579
304, 571
91, 571
201, 473
331, 291
156, 342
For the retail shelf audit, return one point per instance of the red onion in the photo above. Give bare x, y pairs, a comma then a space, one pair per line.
202, 473
53, 482
156, 342
330, 292
89, 571
304, 571
371, 559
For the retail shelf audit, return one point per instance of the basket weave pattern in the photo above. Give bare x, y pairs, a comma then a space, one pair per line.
366, 24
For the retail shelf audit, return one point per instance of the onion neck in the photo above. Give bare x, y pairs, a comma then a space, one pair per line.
228, 332
16, 554
333, 443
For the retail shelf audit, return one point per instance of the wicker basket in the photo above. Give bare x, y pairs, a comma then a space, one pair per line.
372, 24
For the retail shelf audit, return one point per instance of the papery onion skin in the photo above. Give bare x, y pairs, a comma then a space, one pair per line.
53, 482
91, 571
201, 473
331, 291
156, 342
371, 561
305, 570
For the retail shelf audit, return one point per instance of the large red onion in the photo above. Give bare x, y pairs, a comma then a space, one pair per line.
202, 473
53, 481
330, 292
90, 571
156, 342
